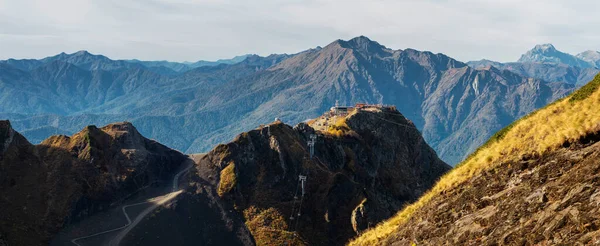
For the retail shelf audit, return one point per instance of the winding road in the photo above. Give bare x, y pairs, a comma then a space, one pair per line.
156, 202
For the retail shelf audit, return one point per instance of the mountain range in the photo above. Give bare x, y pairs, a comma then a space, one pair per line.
456, 106
524, 137
545, 62
85, 60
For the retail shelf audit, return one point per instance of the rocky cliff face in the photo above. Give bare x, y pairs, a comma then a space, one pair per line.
362, 173
66, 178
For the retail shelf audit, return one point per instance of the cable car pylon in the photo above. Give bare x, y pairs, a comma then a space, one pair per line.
301, 186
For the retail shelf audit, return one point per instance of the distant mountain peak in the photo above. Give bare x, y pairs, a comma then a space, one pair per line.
590, 52
361, 39
483, 63
81, 52
362, 45
547, 53
87, 55
590, 56
364, 42
544, 47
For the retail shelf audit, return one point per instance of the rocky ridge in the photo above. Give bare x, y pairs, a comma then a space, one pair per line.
364, 169
64, 178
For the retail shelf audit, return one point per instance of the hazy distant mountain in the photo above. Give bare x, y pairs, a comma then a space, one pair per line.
87, 61
233, 60
484, 63
544, 71
546, 63
186, 66
546, 53
590, 56
24, 64
455, 106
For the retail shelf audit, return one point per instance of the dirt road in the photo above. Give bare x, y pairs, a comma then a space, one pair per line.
156, 202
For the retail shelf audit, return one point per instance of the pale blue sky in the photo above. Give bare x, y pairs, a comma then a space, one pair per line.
190, 30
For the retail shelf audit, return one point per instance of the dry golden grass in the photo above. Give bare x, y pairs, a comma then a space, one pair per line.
268, 227
338, 128
541, 131
228, 179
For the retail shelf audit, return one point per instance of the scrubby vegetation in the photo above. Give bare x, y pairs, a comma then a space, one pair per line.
544, 130
339, 128
228, 179
587, 90
268, 227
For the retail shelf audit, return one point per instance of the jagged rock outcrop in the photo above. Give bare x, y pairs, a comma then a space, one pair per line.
44, 186
357, 178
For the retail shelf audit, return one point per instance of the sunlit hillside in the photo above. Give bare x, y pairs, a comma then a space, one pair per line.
548, 129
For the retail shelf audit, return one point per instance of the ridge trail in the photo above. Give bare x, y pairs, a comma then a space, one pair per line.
157, 202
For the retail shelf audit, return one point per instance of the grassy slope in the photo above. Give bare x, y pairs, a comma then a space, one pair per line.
546, 129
